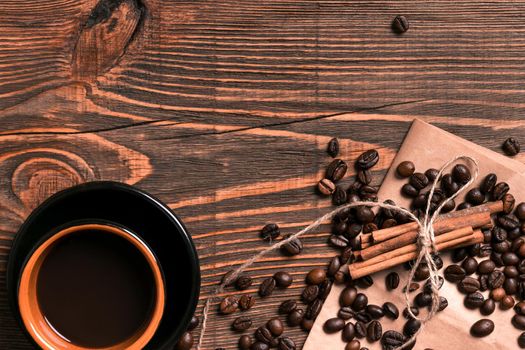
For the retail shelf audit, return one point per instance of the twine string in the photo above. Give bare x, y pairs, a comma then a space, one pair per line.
426, 248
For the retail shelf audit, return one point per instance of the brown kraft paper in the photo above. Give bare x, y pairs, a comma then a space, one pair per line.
430, 147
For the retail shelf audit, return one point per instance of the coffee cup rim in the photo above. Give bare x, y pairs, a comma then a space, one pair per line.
35, 326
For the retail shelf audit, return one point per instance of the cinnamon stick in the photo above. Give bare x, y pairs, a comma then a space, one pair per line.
458, 216
365, 269
474, 220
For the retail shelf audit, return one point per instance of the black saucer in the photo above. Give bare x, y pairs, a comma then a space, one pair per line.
142, 213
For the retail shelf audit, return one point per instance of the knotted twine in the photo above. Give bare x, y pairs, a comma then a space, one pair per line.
426, 247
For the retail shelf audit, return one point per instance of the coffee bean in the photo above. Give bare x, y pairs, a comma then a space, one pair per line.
283, 279
461, 174
508, 203
316, 276
487, 307
341, 277
336, 170
333, 266
499, 234
431, 174
443, 304
486, 267
422, 272
353, 345
267, 286
185, 342
287, 306
511, 285
360, 329
519, 308
508, 222
470, 265
482, 328
500, 247
245, 342
392, 340
518, 321
405, 169
246, 302
313, 310
392, 281
511, 271
400, 24
390, 310
264, 335
510, 259
511, 146
367, 159
521, 340
348, 296
499, 191
345, 313
293, 247
507, 303
496, 279
454, 273
411, 327
418, 181
241, 324
374, 331
243, 282
270, 232
475, 196
360, 302
423, 299
375, 311
229, 304
488, 183
363, 317
338, 241
364, 176
226, 277
346, 256
348, 332
459, 254
310, 293
365, 282
449, 185
295, 317
414, 310
333, 325
354, 229
194, 323
468, 285
497, 294
324, 289
520, 211
275, 326
473, 300
412, 287
286, 343
464, 205
326, 187
259, 346
339, 197
428, 284
409, 190
333, 147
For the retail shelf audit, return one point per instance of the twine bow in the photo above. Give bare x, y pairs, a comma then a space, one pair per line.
426, 248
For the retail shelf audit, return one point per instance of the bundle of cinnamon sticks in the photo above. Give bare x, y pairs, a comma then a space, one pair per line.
386, 248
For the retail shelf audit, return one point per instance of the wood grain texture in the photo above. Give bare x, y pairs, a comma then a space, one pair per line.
223, 109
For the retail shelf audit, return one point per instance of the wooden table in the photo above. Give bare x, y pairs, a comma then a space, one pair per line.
223, 109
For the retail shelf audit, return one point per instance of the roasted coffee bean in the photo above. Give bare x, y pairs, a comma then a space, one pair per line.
418, 181
468, 285
488, 183
333, 325
508, 203
473, 300
229, 305
348, 296
360, 329
507, 302
459, 254
326, 187
267, 286
336, 170
226, 279
513, 235
510, 259
367, 159
412, 287
264, 335
520, 211
286, 343
270, 232
392, 281
316, 276
508, 222
355, 187
246, 302
241, 324
364, 214
354, 229
449, 206
470, 265
333, 147
348, 332
287, 306
310, 293
333, 266
245, 342
345, 313
464, 205
411, 327
482, 328
497, 294
454, 273
368, 193
499, 191
474, 250
423, 299
405, 169
400, 24
409, 190
283, 279
259, 346
353, 345
324, 289
194, 322
521, 288
486, 267
511, 272
243, 282
293, 247
338, 241
374, 331
388, 223
496, 279
422, 272
346, 256
341, 277
461, 174
414, 310
185, 342
443, 304
511, 146
364, 176
510, 285
295, 317
339, 196
375, 311
365, 282
428, 286
431, 174
392, 340
501, 247
275, 326
475, 196
390, 310
449, 185
499, 234
313, 310
363, 317
360, 302
488, 307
